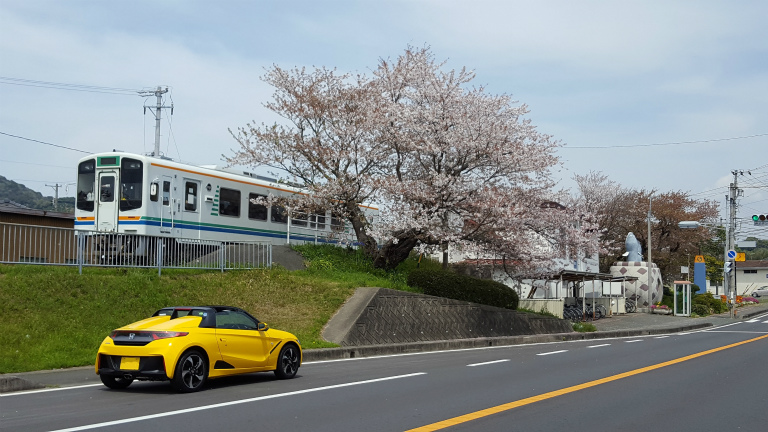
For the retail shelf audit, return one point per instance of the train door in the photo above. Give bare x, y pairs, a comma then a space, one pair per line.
167, 210
191, 209
106, 211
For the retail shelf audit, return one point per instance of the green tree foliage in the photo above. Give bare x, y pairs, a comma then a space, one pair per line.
18, 193
758, 253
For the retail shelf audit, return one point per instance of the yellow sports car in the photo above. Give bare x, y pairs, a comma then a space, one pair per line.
188, 345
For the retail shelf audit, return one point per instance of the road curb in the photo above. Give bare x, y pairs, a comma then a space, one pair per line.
326, 354
20, 382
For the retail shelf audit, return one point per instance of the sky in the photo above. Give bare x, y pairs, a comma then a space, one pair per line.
664, 95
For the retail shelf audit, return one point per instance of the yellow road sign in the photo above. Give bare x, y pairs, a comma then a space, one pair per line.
699, 258
740, 256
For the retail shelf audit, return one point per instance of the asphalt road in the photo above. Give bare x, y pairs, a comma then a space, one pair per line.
697, 381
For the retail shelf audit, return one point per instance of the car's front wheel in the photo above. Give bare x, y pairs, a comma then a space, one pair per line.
288, 362
114, 382
191, 372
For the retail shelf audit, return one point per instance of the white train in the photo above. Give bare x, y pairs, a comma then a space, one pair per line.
120, 192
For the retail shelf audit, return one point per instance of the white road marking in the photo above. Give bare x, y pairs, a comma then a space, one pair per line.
735, 331
598, 346
632, 341
236, 402
753, 320
487, 363
551, 352
720, 327
661, 337
48, 390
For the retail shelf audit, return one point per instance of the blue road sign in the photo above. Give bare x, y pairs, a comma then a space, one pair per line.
731, 254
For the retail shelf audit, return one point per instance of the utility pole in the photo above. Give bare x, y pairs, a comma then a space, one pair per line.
55, 196
158, 108
731, 241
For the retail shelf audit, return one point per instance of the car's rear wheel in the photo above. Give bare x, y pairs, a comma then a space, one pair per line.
115, 382
288, 362
191, 372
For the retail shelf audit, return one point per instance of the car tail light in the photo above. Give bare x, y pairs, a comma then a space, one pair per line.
167, 334
156, 335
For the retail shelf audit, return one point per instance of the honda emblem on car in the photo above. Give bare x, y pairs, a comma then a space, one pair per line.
131, 336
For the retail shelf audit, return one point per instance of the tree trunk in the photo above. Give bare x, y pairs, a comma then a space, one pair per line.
392, 254
445, 255
359, 222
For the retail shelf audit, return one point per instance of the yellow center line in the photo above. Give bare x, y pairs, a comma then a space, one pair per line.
511, 405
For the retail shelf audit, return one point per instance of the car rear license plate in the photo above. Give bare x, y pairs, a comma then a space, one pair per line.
129, 363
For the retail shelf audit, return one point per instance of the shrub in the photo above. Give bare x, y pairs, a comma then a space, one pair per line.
584, 327
700, 309
450, 285
713, 305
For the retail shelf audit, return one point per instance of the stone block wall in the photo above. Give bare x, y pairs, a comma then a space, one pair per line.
388, 316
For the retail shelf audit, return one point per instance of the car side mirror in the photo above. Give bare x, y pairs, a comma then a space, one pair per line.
262, 327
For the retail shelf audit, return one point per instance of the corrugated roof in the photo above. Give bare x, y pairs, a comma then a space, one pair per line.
8, 206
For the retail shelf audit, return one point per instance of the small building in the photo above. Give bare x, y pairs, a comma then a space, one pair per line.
751, 275
23, 240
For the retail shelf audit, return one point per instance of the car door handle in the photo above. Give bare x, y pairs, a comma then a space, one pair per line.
223, 339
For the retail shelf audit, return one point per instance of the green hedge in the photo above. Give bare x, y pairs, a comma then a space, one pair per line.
708, 301
450, 285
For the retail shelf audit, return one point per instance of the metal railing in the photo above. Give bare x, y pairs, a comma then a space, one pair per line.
25, 244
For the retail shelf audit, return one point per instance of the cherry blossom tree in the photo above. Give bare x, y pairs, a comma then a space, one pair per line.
619, 210
466, 168
327, 142
449, 164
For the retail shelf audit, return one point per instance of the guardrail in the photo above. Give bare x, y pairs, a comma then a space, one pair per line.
26, 244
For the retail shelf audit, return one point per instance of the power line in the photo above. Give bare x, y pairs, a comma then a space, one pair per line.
43, 142
65, 86
37, 164
666, 144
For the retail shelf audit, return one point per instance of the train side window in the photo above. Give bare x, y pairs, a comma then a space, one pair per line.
190, 196
337, 222
166, 193
318, 220
279, 215
256, 211
229, 202
154, 191
299, 218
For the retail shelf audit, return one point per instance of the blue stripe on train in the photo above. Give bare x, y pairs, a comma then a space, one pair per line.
221, 230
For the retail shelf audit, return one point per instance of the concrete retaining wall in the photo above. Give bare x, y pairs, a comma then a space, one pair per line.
376, 316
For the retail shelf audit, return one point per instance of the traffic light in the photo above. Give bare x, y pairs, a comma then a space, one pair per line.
759, 217
728, 266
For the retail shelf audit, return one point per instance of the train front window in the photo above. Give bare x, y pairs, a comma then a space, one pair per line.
86, 180
131, 184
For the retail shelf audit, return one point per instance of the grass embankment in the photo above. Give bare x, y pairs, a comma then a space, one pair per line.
53, 317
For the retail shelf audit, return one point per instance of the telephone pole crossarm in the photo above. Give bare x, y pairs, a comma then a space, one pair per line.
157, 109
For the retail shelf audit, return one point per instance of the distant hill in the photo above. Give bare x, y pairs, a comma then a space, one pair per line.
18, 193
